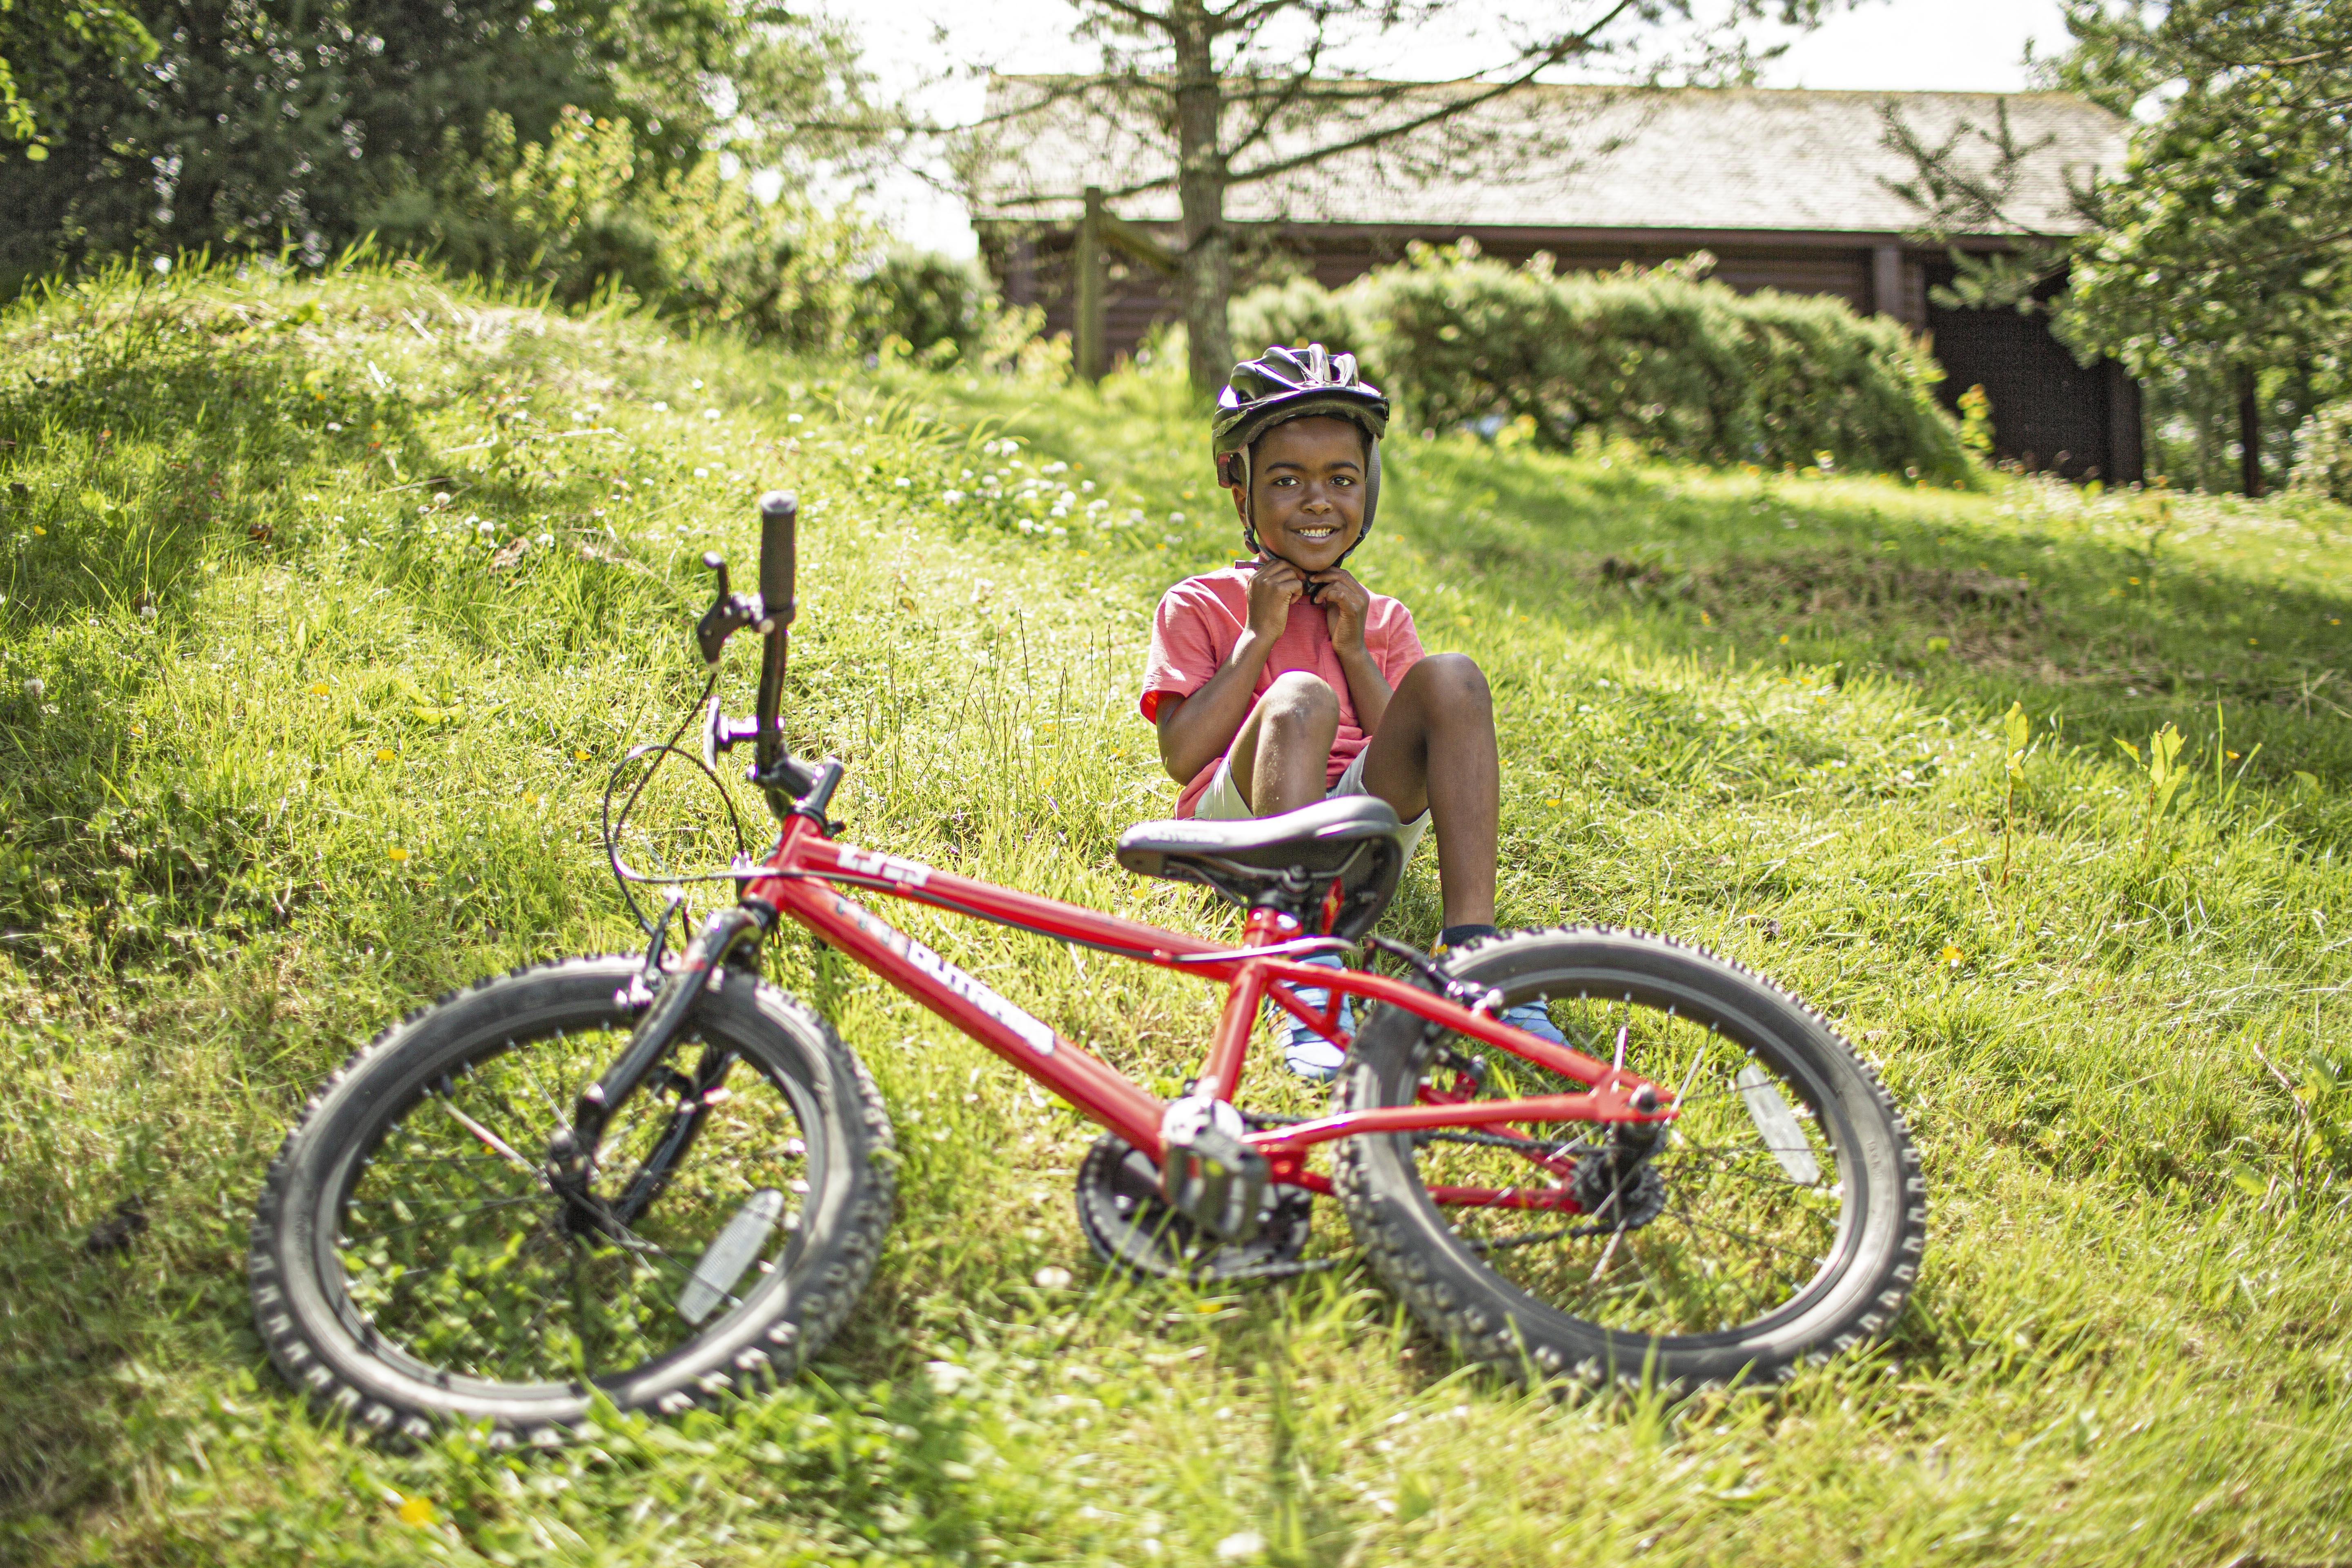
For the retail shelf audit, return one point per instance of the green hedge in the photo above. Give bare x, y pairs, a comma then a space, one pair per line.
2323, 464
1684, 367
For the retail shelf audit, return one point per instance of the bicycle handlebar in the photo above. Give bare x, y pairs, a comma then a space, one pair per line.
779, 544
779, 564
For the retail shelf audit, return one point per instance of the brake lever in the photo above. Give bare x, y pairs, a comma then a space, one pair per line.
729, 614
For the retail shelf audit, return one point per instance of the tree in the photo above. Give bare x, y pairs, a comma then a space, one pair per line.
260, 121
42, 44
1234, 93
2220, 255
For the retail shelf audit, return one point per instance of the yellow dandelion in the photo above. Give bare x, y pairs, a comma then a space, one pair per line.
1784, 636
2253, 642
39, 529
416, 1511
580, 756
397, 853
387, 755
530, 799
1953, 956
2132, 581
1704, 619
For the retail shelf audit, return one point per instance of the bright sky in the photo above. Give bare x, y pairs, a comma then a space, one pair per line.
1895, 45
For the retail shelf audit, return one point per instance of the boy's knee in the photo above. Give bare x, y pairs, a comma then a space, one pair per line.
1298, 698
1455, 681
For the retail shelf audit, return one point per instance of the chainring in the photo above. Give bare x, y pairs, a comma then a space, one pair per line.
1133, 1230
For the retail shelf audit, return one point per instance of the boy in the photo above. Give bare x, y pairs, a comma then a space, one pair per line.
1282, 680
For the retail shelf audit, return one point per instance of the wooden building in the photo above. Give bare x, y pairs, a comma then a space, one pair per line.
1788, 189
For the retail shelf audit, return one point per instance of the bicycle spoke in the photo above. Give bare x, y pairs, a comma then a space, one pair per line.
447, 1218
434, 1275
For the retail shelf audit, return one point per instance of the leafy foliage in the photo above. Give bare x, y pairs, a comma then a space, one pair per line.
2217, 262
44, 42
312, 125
1664, 358
925, 300
2323, 452
593, 207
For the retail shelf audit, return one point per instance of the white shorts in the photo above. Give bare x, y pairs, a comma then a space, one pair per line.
1223, 801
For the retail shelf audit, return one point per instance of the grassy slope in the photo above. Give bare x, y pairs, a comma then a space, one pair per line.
347, 763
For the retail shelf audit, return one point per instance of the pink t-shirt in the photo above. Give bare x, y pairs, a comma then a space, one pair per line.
1200, 619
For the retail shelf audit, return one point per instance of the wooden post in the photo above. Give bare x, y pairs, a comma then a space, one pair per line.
1088, 264
1887, 281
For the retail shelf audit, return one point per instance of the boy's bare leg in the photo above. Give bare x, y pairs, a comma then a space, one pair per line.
1434, 751
1278, 756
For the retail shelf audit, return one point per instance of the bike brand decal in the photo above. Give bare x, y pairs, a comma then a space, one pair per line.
889, 867
881, 931
1030, 1029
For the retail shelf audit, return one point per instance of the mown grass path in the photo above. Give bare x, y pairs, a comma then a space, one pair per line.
327, 608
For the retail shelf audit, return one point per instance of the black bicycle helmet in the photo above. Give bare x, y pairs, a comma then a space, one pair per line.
1287, 384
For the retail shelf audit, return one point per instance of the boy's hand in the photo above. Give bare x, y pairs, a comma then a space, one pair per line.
1273, 588
1346, 603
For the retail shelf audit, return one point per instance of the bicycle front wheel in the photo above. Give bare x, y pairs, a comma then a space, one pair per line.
411, 1262
1779, 1220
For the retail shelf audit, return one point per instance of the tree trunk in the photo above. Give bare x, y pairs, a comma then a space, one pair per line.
1208, 281
2250, 436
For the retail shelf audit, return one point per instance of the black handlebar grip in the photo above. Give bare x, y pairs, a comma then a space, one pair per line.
779, 519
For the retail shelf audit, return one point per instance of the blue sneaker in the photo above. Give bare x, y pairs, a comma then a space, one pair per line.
1527, 1016
1531, 1016
1308, 1053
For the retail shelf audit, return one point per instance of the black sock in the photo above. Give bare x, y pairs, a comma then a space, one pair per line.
1454, 936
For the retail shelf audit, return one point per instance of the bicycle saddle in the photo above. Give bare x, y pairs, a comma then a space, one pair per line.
1355, 838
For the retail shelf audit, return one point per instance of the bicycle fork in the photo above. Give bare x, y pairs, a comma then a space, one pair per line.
571, 1160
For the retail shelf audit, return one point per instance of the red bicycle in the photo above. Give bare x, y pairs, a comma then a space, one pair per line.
660, 1178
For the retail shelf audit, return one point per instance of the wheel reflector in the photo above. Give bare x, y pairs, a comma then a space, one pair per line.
730, 1252
1775, 1124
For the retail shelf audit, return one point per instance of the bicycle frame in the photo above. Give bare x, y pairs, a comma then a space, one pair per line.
803, 876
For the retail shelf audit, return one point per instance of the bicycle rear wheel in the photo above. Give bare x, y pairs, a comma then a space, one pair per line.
411, 1263
1780, 1219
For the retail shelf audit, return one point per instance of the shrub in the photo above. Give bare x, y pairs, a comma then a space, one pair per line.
582, 212
1302, 311
925, 300
2322, 463
1686, 367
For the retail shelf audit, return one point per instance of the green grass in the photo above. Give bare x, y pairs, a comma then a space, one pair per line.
352, 758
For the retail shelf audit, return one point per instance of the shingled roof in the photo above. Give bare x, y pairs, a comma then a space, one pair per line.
1719, 159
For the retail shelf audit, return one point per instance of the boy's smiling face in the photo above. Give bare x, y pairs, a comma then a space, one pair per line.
1306, 489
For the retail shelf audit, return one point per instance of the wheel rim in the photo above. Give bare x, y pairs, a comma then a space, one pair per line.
452, 1263
1755, 1211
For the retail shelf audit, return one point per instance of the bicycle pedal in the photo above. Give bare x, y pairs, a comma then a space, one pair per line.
1208, 1172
